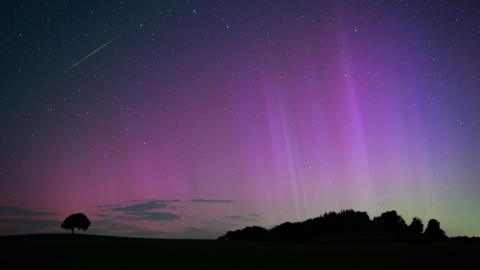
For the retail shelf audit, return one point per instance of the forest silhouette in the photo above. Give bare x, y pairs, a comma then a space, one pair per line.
344, 225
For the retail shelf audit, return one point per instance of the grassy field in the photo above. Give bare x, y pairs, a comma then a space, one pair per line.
93, 252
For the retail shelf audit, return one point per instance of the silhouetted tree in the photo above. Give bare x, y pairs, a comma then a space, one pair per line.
79, 221
433, 230
416, 226
391, 221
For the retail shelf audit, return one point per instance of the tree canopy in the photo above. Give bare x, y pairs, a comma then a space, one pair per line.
76, 221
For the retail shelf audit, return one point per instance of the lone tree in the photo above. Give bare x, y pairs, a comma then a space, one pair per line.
79, 221
433, 230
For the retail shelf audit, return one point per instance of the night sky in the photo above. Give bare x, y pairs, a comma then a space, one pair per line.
189, 118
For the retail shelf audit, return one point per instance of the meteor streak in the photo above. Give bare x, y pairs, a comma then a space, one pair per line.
90, 54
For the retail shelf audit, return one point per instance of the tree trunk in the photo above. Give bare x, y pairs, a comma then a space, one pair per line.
72, 230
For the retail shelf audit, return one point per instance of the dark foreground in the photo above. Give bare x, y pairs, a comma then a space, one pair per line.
97, 252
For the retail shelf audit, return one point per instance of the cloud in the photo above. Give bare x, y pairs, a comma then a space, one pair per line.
27, 225
155, 216
157, 200
138, 218
103, 215
33, 223
15, 220
141, 207
140, 210
211, 201
150, 210
23, 212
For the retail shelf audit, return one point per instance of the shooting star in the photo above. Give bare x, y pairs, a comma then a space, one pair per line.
90, 54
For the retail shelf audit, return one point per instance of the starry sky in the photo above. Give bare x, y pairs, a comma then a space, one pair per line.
184, 119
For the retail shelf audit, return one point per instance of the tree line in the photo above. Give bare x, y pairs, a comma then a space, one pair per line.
389, 225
